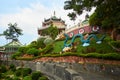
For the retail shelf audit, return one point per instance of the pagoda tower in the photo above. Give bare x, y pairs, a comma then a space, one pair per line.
56, 22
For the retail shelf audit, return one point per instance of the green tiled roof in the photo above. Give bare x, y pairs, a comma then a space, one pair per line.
14, 43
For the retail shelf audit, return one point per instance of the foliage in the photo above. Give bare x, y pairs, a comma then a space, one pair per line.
18, 72
33, 51
33, 44
48, 41
12, 32
3, 69
23, 49
12, 67
16, 78
15, 55
52, 31
35, 75
115, 44
106, 13
27, 78
26, 71
48, 48
40, 43
108, 56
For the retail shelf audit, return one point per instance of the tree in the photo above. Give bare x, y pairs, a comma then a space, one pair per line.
12, 32
52, 31
106, 15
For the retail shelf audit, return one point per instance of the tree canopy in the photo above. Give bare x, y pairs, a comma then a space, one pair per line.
12, 32
52, 31
107, 13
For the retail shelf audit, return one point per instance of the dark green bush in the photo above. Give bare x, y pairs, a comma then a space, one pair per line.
16, 78
43, 78
8, 78
23, 49
115, 44
18, 72
111, 56
33, 51
12, 67
89, 50
3, 68
26, 71
27, 78
36, 75
48, 48
16, 55
40, 43
0, 75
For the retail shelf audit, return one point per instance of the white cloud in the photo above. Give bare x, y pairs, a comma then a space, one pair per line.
30, 18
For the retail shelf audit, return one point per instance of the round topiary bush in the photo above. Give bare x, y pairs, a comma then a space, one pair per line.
18, 72
33, 51
12, 67
48, 40
16, 78
3, 68
27, 78
26, 71
35, 75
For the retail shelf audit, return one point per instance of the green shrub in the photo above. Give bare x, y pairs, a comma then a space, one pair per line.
3, 68
43, 78
36, 75
16, 78
18, 72
115, 44
27, 78
40, 43
48, 48
8, 78
0, 75
33, 51
48, 41
89, 50
26, 71
23, 49
13, 56
12, 67
111, 56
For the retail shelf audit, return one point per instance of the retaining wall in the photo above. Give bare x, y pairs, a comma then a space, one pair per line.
72, 71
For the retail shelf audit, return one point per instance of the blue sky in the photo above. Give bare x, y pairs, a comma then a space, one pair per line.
29, 15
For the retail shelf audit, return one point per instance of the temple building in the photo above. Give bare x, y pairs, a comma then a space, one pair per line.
57, 22
7, 50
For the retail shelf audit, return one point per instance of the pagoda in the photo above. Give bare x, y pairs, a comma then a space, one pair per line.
7, 50
56, 22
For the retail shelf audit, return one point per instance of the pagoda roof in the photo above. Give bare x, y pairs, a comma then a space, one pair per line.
13, 43
53, 18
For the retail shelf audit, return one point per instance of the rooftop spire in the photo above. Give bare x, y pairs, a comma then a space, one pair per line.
54, 13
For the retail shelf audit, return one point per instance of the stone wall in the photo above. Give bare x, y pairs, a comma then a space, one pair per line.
72, 71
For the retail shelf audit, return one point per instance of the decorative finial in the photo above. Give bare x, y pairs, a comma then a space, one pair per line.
54, 13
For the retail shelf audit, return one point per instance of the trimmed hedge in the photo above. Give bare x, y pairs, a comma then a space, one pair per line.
33, 51
115, 43
109, 56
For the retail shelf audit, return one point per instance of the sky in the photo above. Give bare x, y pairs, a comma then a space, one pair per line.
29, 15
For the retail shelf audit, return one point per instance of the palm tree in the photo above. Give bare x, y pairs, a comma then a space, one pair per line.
12, 32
